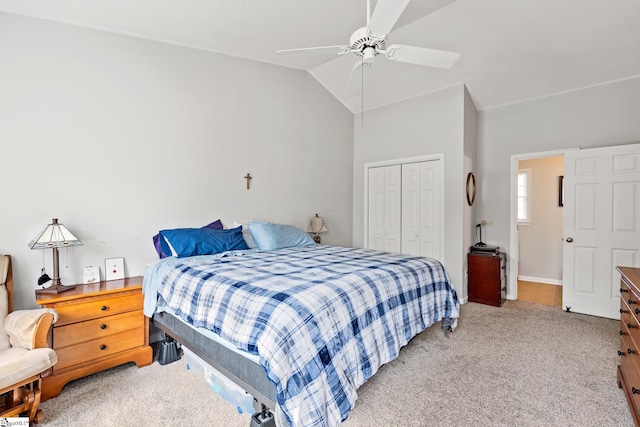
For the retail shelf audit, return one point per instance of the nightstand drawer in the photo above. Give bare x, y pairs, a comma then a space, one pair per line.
97, 307
97, 328
91, 350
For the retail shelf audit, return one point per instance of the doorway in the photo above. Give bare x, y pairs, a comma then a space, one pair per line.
536, 262
540, 224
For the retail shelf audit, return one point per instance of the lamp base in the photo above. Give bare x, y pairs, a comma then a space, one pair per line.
54, 289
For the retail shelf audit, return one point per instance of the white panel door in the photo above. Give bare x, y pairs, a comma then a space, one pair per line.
430, 209
601, 226
421, 209
375, 236
411, 207
392, 208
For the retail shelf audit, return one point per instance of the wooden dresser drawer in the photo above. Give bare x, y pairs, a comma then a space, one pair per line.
97, 328
97, 307
630, 365
101, 347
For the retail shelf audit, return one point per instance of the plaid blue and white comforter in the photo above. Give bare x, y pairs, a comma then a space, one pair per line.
322, 319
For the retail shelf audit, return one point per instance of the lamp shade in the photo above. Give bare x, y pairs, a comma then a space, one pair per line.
317, 225
54, 235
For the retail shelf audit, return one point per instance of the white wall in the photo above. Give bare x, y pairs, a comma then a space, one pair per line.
119, 137
540, 241
424, 125
605, 115
470, 165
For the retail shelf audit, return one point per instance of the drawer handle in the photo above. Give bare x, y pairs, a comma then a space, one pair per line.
621, 332
623, 311
623, 290
635, 390
630, 326
103, 326
103, 347
637, 310
630, 301
504, 289
620, 353
104, 307
630, 351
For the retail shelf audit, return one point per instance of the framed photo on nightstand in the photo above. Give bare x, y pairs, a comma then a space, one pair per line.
114, 268
91, 274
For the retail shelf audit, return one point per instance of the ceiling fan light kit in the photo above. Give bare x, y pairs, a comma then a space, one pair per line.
371, 41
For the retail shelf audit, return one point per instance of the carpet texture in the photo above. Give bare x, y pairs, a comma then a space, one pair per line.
523, 364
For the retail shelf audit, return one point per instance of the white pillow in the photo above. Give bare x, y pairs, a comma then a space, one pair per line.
246, 234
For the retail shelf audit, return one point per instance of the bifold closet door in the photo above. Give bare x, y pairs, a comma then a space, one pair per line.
421, 209
385, 191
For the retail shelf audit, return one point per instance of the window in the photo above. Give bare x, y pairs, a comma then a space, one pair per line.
524, 203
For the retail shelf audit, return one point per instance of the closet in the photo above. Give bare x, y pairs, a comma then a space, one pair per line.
404, 209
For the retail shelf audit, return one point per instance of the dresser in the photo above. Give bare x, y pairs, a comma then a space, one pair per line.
487, 277
99, 326
629, 356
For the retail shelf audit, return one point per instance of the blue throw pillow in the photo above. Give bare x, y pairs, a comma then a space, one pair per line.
270, 236
203, 241
163, 249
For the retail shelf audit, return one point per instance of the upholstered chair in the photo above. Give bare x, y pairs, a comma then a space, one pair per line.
24, 354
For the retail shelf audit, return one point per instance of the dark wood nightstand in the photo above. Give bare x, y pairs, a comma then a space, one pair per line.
100, 325
487, 277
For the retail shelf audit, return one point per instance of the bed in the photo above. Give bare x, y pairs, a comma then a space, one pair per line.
299, 328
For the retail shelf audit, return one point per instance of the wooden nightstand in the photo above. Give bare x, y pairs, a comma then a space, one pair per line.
487, 277
100, 325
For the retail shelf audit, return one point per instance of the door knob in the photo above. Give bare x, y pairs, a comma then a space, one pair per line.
569, 239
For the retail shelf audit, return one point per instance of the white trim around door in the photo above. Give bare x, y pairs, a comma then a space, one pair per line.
514, 256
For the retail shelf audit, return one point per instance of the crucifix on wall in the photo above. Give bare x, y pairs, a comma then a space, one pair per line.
248, 178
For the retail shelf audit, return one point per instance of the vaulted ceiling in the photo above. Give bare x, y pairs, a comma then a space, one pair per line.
511, 50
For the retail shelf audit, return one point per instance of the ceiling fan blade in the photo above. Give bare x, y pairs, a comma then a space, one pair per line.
354, 87
314, 51
385, 15
422, 56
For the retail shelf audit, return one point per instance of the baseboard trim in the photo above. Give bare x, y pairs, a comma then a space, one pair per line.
540, 280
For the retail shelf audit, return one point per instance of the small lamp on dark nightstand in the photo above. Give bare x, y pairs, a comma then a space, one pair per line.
54, 236
316, 227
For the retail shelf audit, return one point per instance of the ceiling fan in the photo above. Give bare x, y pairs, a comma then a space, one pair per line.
371, 41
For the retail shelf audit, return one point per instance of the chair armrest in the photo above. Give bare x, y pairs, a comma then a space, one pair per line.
42, 331
29, 328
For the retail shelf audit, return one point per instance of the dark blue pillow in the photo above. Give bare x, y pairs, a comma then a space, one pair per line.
163, 249
203, 241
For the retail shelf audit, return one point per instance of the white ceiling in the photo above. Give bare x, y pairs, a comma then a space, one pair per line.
512, 50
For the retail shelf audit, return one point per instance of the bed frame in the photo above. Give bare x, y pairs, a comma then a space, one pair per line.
247, 373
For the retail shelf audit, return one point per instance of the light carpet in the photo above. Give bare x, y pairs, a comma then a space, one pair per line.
523, 364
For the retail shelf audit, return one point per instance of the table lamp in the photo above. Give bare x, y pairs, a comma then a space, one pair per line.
480, 243
316, 227
55, 236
